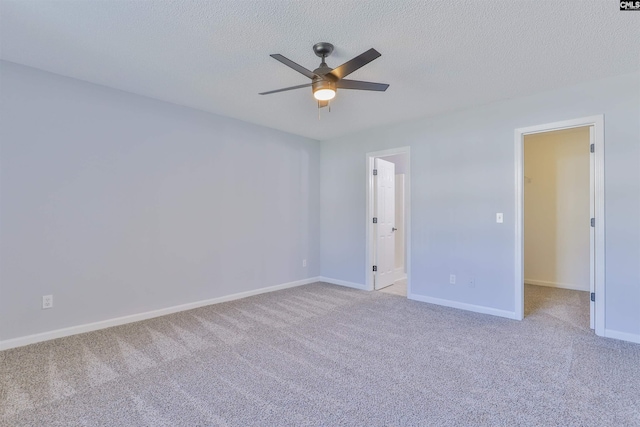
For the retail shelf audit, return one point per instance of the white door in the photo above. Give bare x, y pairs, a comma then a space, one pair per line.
592, 230
385, 212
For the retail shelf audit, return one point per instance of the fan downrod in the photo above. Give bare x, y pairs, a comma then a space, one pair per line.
323, 49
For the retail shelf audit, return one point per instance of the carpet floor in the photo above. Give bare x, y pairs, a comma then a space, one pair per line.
324, 355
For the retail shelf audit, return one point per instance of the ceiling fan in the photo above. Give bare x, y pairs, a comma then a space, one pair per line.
326, 81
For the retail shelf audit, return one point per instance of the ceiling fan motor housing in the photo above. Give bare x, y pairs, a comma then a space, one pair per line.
320, 84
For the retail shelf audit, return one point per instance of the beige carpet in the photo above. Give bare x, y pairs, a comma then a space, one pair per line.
323, 355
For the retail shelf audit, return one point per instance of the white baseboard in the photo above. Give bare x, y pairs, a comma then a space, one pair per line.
624, 336
464, 306
88, 327
556, 285
343, 283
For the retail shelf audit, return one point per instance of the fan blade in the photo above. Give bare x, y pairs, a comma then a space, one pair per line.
286, 88
350, 66
357, 84
289, 63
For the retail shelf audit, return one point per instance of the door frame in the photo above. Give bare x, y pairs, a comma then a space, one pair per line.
369, 210
597, 179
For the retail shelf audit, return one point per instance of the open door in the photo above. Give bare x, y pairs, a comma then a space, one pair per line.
385, 213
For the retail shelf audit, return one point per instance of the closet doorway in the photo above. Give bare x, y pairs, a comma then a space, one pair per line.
560, 221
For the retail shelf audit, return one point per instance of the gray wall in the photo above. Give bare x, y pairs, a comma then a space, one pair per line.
118, 204
462, 167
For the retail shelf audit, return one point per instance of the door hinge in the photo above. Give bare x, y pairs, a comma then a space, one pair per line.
593, 222
593, 296
593, 148
375, 268
375, 220
375, 171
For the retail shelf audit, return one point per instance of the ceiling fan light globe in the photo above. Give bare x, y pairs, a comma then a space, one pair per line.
324, 94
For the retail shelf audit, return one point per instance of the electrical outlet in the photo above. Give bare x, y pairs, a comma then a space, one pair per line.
47, 301
452, 279
304, 262
472, 282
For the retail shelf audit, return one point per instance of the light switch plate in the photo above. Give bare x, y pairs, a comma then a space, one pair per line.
499, 218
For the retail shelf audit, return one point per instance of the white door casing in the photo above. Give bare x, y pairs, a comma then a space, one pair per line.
370, 227
597, 235
592, 233
385, 227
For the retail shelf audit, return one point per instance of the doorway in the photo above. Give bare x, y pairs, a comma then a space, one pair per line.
560, 214
388, 224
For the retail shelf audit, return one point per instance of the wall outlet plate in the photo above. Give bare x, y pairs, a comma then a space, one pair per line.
47, 301
452, 279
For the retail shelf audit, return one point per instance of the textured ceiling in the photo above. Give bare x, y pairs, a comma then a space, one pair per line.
214, 55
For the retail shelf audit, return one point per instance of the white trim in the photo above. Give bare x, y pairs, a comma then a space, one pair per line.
599, 247
88, 327
464, 306
624, 336
600, 226
369, 209
592, 231
519, 223
558, 285
562, 125
354, 285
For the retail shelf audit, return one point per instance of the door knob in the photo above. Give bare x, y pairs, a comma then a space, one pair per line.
393, 229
